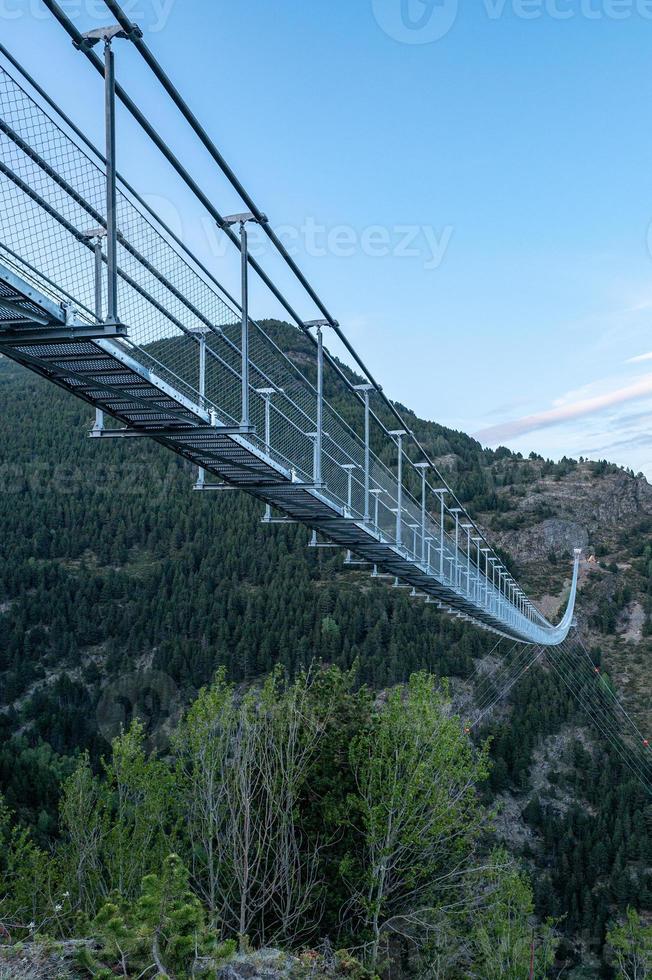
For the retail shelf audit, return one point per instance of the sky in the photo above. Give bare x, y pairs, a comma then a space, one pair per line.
467, 184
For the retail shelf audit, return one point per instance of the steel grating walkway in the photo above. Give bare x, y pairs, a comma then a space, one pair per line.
103, 373
173, 371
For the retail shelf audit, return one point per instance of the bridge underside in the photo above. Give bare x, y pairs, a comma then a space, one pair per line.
79, 357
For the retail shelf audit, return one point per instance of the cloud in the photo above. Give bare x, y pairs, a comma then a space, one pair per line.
639, 358
643, 441
579, 408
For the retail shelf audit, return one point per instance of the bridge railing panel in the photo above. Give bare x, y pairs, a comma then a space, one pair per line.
52, 196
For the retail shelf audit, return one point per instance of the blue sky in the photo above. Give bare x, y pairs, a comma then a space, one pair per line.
468, 185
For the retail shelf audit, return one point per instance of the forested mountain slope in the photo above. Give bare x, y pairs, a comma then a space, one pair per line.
123, 591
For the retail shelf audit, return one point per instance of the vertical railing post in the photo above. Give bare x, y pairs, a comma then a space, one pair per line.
202, 368
349, 467
424, 467
315, 461
242, 220
201, 336
486, 552
456, 511
429, 541
476, 592
99, 414
398, 435
97, 250
320, 402
376, 494
95, 236
88, 41
244, 266
441, 492
414, 528
266, 395
111, 197
494, 562
366, 390
468, 528
319, 433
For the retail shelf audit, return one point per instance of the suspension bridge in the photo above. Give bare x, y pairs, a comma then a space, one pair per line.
100, 297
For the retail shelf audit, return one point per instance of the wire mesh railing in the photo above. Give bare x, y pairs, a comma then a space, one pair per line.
52, 206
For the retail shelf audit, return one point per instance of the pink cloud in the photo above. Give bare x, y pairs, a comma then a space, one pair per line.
573, 410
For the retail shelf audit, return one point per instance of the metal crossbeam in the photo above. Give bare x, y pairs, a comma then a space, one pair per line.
192, 363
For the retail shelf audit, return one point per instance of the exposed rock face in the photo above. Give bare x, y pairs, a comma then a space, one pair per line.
581, 510
272, 964
632, 622
557, 535
40, 961
266, 964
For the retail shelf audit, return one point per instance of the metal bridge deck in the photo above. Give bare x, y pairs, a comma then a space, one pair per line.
190, 363
103, 373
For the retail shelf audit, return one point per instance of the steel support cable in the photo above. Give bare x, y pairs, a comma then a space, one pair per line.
604, 698
503, 679
471, 677
83, 239
564, 670
143, 204
101, 220
77, 38
96, 153
96, 216
594, 682
485, 680
40, 278
610, 692
152, 135
209, 145
503, 675
212, 149
594, 706
214, 152
614, 740
538, 653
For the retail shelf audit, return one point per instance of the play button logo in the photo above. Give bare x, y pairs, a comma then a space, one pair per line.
415, 21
